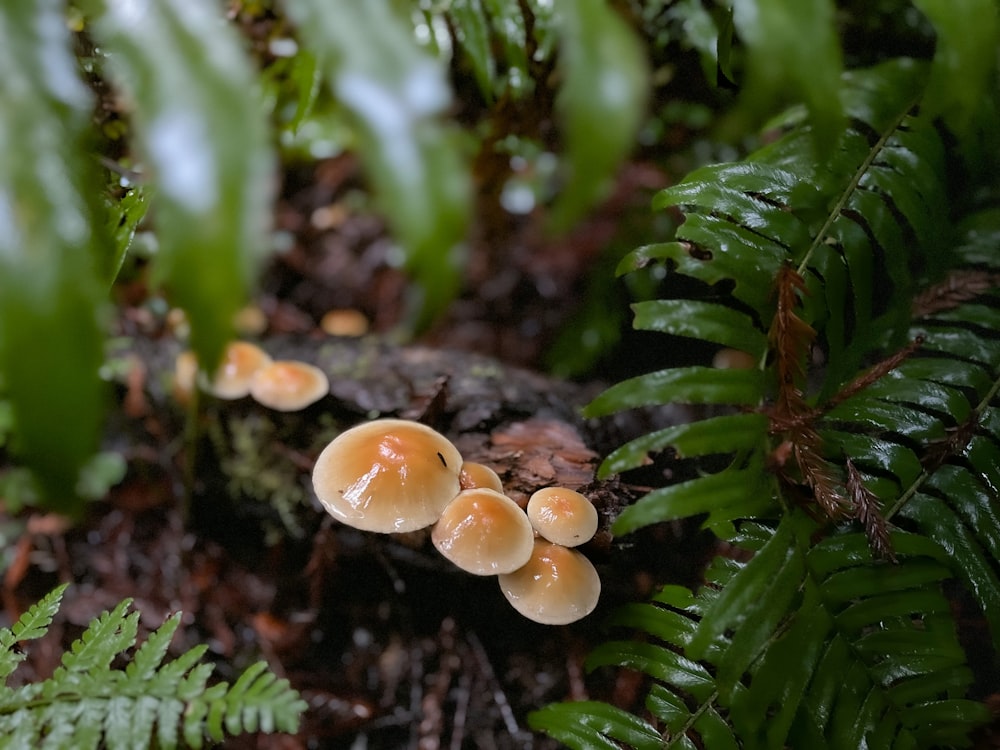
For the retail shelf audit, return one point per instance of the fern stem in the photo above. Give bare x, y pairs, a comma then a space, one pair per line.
848, 191
925, 474
692, 720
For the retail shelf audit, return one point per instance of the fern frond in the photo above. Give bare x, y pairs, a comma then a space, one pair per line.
821, 635
87, 704
31, 625
876, 658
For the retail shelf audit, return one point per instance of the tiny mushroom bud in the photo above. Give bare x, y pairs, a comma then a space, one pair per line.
557, 586
185, 376
484, 533
250, 321
475, 475
289, 385
389, 475
562, 516
240, 363
346, 322
733, 359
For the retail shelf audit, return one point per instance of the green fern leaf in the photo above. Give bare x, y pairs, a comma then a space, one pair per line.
724, 496
52, 268
702, 320
601, 103
149, 656
107, 635
87, 704
34, 623
591, 725
203, 135
685, 385
725, 434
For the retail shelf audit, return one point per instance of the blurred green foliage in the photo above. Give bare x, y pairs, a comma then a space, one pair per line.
206, 106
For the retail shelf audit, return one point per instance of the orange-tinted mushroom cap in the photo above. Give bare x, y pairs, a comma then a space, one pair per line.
483, 532
475, 475
240, 362
557, 586
562, 516
289, 385
389, 475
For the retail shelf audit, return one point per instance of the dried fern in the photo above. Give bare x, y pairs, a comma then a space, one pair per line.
855, 489
87, 703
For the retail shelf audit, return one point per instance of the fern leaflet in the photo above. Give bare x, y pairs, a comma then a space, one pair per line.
88, 704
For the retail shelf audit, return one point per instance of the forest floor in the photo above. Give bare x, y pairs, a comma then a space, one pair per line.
390, 647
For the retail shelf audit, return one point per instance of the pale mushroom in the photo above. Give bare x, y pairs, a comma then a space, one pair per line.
185, 376
557, 586
344, 322
475, 475
562, 516
289, 385
240, 362
389, 475
484, 533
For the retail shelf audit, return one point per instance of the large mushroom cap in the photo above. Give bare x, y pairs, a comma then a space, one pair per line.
484, 532
288, 385
556, 587
389, 475
562, 516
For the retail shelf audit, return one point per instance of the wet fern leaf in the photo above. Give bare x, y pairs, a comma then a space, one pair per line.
829, 624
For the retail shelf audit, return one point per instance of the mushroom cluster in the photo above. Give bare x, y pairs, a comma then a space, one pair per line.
247, 370
394, 475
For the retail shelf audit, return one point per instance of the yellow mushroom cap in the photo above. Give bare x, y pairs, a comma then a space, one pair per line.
344, 322
475, 475
389, 475
484, 532
562, 516
289, 385
240, 362
557, 586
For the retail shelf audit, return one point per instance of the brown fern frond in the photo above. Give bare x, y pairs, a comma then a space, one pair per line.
959, 286
867, 510
952, 444
791, 339
873, 374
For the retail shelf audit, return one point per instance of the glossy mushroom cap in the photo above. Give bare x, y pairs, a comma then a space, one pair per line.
389, 475
289, 385
484, 533
475, 475
240, 363
562, 516
556, 587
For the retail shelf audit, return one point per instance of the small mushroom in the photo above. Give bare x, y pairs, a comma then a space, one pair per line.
562, 516
484, 533
240, 362
344, 322
388, 475
475, 475
185, 377
733, 359
557, 586
289, 385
